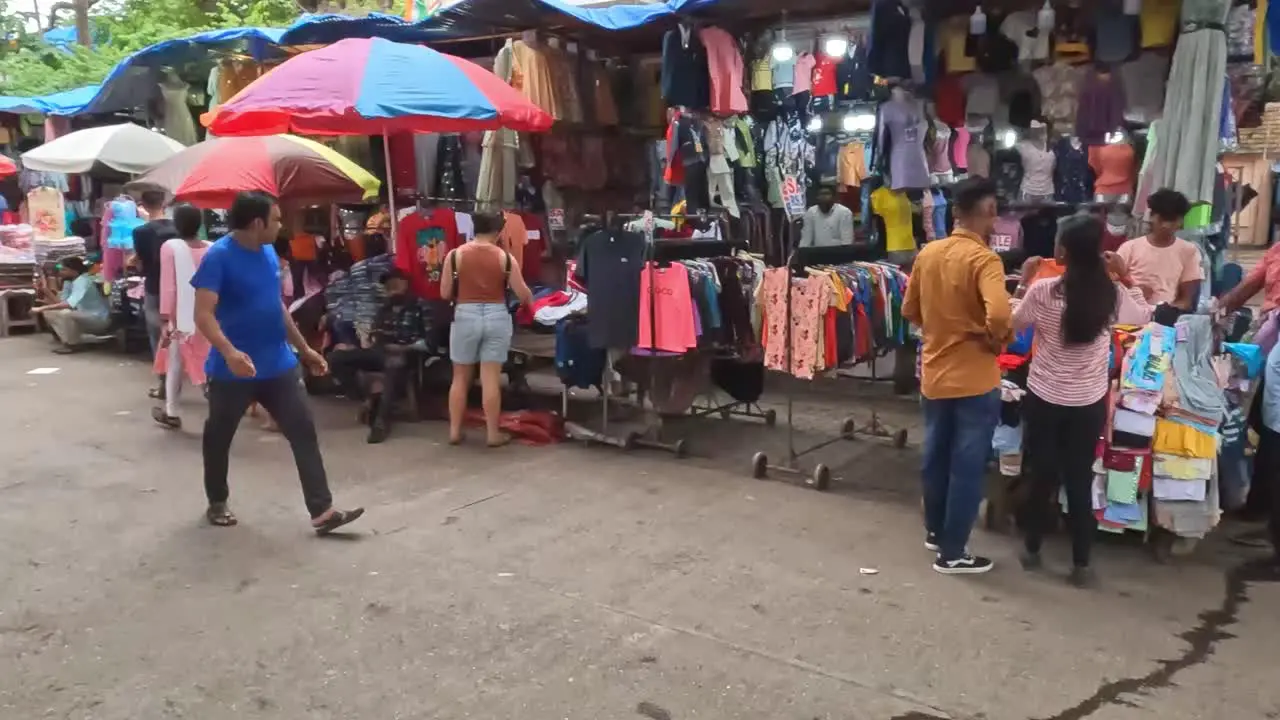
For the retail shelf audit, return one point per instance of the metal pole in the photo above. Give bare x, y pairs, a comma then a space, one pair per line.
391, 191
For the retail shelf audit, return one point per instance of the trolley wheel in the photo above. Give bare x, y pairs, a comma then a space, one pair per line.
681, 448
770, 418
821, 477
759, 466
629, 442
900, 439
847, 429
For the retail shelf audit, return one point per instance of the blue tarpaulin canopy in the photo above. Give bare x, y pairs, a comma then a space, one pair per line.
130, 83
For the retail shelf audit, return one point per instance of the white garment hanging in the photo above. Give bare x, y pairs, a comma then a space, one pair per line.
178, 123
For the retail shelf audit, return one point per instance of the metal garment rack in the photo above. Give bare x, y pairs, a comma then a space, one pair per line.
662, 251
819, 476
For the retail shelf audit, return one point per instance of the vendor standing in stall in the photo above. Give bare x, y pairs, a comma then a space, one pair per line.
957, 297
1066, 405
1164, 265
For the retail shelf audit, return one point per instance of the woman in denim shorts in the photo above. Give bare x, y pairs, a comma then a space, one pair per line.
477, 276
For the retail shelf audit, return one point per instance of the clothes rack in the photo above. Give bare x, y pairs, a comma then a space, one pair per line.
819, 476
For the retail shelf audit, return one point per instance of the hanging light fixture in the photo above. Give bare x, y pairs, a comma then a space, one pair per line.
782, 50
835, 46
815, 124
854, 122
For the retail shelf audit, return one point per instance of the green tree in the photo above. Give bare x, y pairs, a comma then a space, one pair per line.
33, 67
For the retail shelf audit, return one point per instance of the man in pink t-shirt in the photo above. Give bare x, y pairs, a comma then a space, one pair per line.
1165, 266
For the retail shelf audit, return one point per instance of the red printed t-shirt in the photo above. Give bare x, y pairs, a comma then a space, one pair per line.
422, 241
824, 76
536, 245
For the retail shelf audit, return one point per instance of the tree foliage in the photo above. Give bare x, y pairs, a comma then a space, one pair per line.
29, 66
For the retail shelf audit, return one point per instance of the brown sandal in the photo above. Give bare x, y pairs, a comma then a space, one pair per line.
337, 519
166, 421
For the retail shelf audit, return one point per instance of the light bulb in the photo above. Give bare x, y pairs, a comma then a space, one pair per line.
782, 51
1009, 138
836, 46
861, 121
815, 124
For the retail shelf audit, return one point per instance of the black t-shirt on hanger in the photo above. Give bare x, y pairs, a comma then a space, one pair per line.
609, 264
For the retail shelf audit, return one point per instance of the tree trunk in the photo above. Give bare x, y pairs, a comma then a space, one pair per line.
82, 23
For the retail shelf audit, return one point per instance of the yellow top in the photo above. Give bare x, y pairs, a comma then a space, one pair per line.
957, 297
851, 165
1159, 21
895, 209
761, 75
954, 33
1183, 440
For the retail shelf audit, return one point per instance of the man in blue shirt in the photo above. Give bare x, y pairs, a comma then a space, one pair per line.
80, 309
240, 310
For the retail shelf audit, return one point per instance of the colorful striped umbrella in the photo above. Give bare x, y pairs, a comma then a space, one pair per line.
291, 168
371, 86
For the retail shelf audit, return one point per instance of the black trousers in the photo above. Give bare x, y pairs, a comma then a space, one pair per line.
1266, 471
1060, 443
346, 363
282, 397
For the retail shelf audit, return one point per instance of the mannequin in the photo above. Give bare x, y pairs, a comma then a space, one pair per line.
939, 144
1113, 166
903, 126
1071, 174
1037, 164
978, 156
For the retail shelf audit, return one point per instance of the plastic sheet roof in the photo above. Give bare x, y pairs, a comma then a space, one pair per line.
130, 84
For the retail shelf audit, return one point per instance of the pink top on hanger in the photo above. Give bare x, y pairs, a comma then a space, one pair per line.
724, 62
671, 310
805, 63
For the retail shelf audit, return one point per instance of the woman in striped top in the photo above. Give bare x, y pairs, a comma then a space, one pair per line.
1066, 405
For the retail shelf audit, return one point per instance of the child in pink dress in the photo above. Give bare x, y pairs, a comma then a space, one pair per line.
183, 350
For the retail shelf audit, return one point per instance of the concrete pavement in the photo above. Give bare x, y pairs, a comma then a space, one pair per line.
548, 583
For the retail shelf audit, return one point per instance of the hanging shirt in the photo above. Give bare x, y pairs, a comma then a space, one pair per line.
824, 76
1037, 170
1059, 95
1006, 235
1159, 22
609, 265
1100, 109
895, 210
724, 62
666, 299
1073, 179
686, 77
761, 75
890, 36
1113, 167
804, 73
422, 241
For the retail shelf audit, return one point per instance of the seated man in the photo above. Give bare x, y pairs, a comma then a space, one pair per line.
80, 309
401, 323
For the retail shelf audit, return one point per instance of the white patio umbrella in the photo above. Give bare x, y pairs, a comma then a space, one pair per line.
129, 148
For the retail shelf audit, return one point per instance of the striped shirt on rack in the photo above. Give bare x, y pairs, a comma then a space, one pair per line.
1076, 374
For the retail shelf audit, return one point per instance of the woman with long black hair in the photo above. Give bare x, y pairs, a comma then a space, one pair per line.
1066, 405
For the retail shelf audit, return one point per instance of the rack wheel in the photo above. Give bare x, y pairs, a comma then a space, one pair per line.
759, 466
629, 442
821, 477
681, 448
1162, 547
770, 418
848, 428
900, 439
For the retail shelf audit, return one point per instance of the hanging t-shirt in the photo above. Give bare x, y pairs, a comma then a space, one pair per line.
904, 123
895, 210
1113, 167
609, 265
1159, 21
824, 76
536, 240
1007, 234
804, 73
47, 215
466, 227
514, 236
670, 309
422, 241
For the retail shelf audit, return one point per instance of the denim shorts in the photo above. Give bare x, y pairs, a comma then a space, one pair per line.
481, 333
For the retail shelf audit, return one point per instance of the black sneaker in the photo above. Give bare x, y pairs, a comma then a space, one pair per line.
965, 565
378, 433
931, 542
1031, 561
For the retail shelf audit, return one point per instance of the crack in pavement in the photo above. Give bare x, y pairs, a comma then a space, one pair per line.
1202, 641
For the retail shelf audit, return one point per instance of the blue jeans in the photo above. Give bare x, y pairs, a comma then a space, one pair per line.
957, 444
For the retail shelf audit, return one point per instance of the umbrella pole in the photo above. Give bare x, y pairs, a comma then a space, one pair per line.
391, 190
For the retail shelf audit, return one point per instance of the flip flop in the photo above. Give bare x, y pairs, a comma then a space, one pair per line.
63, 350
504, 440
337, 519
169, 422
219, 515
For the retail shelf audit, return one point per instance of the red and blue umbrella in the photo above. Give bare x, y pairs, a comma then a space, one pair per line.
372, 86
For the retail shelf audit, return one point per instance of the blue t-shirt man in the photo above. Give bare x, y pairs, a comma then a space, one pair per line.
250, 309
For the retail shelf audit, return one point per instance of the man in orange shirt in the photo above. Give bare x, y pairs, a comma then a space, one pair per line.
957, 297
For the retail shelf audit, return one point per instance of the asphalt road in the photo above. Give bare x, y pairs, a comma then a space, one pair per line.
562, 582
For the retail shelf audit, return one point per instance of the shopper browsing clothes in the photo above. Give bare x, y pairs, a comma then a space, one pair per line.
238, 308
1165, 266
477, 276
1066, 407
957, 297
182, 349
79, 309
147, 240
400, 324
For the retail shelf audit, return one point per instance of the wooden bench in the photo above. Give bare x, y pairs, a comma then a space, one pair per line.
15, 310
